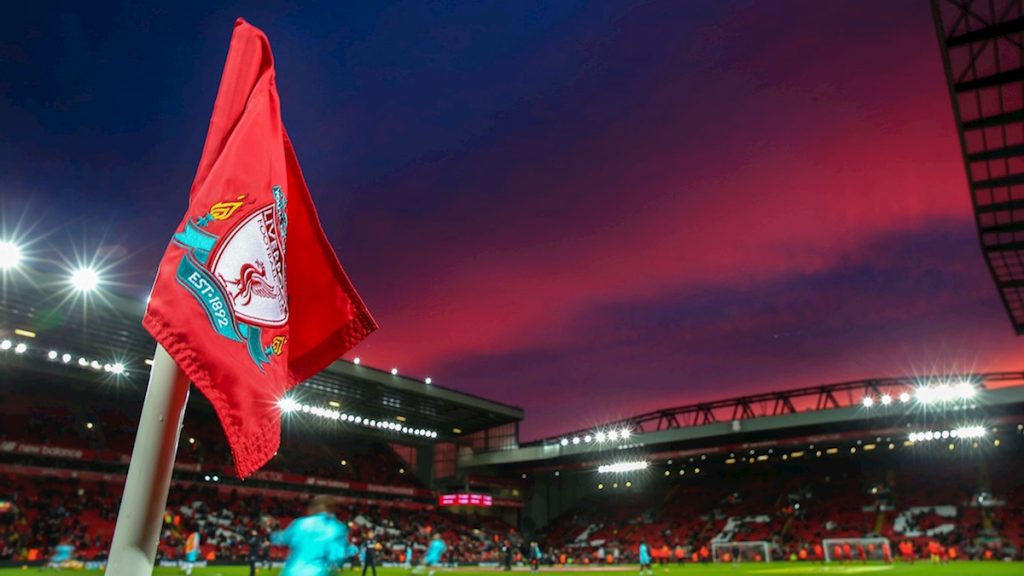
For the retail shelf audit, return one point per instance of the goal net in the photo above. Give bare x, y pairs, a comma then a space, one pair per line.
752, 551
856, 549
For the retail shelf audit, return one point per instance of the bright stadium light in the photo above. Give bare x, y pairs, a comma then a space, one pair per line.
945, 393
287, 405
613, 435
356, 361
394, 371
52, 355
971, 432
924, 395
624, 433
117, 368
619, 467
904, 397
601, 436
575, 439
886, 399
428, 380
868, 401
588, 438
10, 255
85, 279
20, 348
6, 345
965, 390
564, 441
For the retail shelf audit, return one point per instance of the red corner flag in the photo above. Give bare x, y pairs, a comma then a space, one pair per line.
250, 299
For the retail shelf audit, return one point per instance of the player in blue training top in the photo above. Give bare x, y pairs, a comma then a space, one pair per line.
432, 558
63, 555
316, 541
192, 550
535, 557
645, 558
408, 554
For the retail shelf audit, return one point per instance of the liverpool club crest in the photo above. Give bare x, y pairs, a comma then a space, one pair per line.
239, 278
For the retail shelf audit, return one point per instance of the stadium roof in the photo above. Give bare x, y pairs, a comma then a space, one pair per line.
864, 406
50, 331
981, 53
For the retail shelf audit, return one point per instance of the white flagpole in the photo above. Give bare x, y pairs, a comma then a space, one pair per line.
140, 519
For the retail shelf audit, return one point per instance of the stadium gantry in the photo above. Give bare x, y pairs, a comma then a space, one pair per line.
865, 405
981, 44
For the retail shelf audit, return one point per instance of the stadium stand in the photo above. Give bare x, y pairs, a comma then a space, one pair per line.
906, 493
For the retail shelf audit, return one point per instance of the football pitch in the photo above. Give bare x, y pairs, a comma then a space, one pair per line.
773, 569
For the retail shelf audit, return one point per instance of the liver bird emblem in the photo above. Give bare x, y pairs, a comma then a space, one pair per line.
252, 281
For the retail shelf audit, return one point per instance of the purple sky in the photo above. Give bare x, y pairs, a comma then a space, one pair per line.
586, 209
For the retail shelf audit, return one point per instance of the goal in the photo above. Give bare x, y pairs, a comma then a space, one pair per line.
856, 549
750, 551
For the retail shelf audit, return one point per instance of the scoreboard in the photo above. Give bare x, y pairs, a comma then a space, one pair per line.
465, 499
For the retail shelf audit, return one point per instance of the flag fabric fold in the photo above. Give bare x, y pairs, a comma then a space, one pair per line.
250, 299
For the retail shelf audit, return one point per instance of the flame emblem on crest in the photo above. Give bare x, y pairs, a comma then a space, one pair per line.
252, 281
277, 345
224, 210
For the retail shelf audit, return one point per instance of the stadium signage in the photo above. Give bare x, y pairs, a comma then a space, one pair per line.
39, 450
466, 499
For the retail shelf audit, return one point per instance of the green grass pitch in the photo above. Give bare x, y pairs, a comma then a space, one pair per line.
963, 568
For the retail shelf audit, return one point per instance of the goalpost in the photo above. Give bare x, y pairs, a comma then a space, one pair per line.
856, 549
749, 551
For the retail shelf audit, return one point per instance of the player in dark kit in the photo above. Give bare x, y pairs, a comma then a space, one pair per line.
370, 554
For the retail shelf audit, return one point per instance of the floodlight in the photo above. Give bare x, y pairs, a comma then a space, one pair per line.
965, 391
904, 397
945, 392
10, 255
564, 442
925, 394
85, 279
886, 399
623, 467
287, 405
868, 402
20, 348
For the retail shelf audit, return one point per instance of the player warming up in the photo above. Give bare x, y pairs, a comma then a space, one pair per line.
645, 558
316, 542
535, 557
432, 558
191, 551
63, 556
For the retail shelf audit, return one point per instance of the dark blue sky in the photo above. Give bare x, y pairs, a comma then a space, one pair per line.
608, 206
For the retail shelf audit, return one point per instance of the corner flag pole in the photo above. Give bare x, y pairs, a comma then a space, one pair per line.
140, 519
